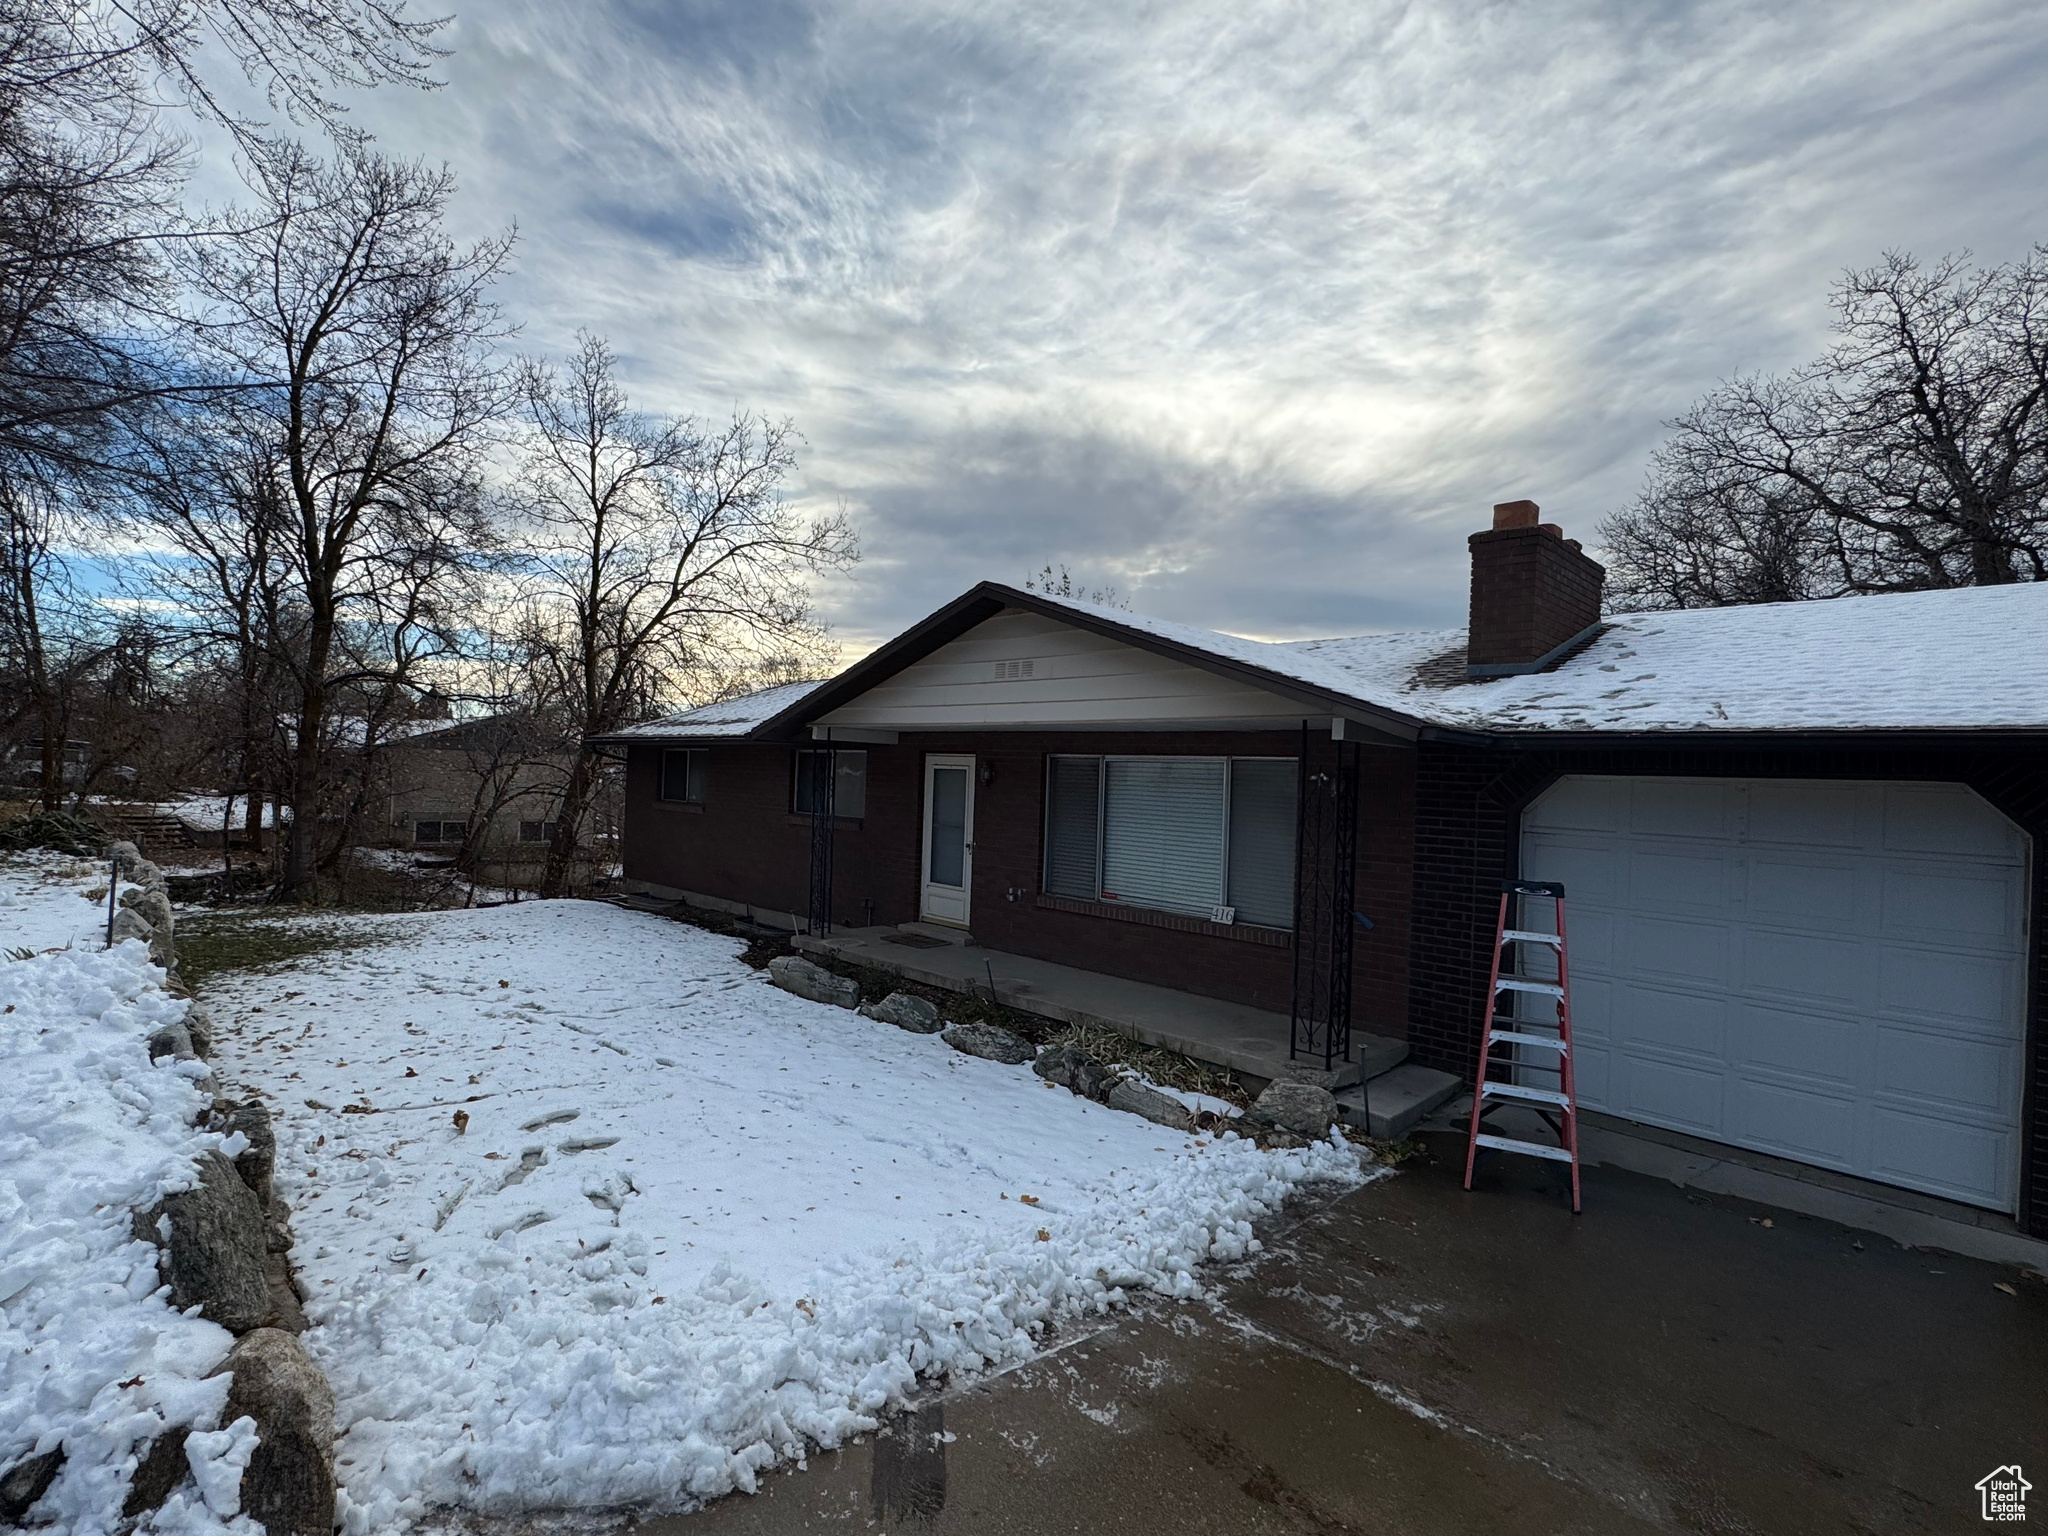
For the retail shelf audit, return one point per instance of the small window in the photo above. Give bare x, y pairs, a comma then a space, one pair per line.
536, 831
849, 782
682, 774
427, 833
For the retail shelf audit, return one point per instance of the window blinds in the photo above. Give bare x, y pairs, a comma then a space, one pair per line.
1162, 832
1262, 794
1073, 824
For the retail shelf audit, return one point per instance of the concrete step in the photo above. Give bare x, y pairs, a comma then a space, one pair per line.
1391, 1104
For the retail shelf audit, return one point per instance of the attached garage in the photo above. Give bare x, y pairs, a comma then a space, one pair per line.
1832, 971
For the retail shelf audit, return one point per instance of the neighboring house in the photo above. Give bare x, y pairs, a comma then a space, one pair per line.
490, 786
1803, 842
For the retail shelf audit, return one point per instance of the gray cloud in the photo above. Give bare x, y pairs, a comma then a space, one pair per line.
1250, 309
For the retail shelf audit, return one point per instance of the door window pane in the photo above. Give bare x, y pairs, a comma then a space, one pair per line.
949, 827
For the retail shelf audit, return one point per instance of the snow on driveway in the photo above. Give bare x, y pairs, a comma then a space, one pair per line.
694, 1223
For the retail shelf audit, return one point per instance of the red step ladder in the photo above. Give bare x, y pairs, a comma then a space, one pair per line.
1526, 1038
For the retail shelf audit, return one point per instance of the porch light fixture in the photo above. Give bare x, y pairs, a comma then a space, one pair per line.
988, 771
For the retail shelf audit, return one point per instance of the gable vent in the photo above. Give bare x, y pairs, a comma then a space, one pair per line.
1010, 671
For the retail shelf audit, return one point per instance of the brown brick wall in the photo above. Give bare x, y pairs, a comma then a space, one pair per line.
1467, 833
1531, 592
746, 845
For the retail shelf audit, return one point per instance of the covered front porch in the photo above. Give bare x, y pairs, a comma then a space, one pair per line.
1378, 1089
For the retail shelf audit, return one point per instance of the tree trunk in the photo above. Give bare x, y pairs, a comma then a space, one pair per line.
300, 854
560, 868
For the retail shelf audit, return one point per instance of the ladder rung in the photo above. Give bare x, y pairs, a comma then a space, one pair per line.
1526, 1148
1516, 1037
1541, 988
1528, 1095
1514, 935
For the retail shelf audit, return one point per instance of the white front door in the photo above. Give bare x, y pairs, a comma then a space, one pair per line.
1831, 971
948, 838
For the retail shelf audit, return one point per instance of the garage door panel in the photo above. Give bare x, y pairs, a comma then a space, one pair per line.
1687, 808
1943, 1157
1675, 947
1827, 970
1668, 1093
1832, 1050
1969, 1075
1585, 866
1804, 815
1948, 820
1812, 895
1831, 971
1680, 1023
1923, 903
1959, 990
1668, 879
1793, 1121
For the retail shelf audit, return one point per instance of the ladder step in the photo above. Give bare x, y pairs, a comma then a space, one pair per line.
1541, 988
1516, 1037
1492, 1090
1526, 1148
1516, 935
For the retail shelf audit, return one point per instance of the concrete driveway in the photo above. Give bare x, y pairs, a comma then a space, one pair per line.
1413, 1358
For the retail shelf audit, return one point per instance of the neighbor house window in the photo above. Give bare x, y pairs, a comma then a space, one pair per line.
536, 831
682, 774
849, 782
425, 833
1208, 836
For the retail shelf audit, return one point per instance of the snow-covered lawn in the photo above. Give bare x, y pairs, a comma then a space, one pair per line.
693, 1225
93, 1359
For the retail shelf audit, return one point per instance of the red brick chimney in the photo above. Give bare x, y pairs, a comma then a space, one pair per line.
1534, 593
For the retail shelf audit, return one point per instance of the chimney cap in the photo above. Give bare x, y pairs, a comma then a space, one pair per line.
1515, 514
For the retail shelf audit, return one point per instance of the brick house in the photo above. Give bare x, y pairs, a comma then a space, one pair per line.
1803, 842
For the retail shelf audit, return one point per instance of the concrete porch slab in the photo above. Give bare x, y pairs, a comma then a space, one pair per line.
1391, 1105
1247, 1040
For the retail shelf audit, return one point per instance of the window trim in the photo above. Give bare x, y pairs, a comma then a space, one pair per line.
1096, 903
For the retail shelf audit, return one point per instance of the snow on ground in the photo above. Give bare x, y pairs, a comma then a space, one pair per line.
694, 1223
46, 901
92, 1356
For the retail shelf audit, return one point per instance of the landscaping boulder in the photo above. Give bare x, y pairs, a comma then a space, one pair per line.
989, 1043
1075, 1069
126, 857
905, 1011
1136, 1098
199, 1027
256, 1164
172, 1040
147, 875
277, 1227
287, 1306
154, 906
131, 924
27, 1481
288, 1486
795, 974
163, 1467
213, 1257
1301, 1108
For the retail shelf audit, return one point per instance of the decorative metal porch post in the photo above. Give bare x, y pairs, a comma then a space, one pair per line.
1325, 873
824, 792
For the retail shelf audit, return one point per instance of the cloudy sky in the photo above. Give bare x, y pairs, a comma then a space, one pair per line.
1249, 308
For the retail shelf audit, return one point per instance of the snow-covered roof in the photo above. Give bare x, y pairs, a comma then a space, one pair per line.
1973, 658
726, 720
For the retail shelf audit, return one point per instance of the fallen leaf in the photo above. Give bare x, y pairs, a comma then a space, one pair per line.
659, 1300
504, 983
804, 1306
1996, 1285
494, 1157
410, 1073
461, 1122
1029, 1199
1044, 1236
1767, 1221
132, 1381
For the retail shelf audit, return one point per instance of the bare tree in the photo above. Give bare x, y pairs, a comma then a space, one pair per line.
357, 337
660, 559
1914, 454
49, 639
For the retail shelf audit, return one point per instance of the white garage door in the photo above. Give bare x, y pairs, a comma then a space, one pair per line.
1829, 971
